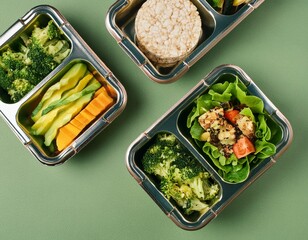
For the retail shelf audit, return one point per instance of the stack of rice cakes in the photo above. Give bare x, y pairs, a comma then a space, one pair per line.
167, 30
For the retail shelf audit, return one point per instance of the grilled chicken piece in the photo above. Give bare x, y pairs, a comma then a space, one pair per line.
213, 121
226, 134
212, 118
246, 125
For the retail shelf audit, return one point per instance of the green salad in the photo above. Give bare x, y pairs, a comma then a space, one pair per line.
233, 129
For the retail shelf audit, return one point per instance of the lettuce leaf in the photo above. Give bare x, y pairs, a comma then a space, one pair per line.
203, 104
239, 174
196, 130
232, 169
262, 130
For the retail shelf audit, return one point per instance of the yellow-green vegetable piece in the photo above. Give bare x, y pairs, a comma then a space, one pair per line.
65, 116
54, 93
41, 126
220, 3
81, 85
92, 86
239, 2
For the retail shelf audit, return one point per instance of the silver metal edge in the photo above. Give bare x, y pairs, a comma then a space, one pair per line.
110, 20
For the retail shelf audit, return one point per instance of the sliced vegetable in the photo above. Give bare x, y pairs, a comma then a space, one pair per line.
41, 126
83, 118
100, 103
54, 93
50, 113
65, 116
92, 87
239, 2
227, 7
243, 147
80, 86
70, 105
70, 131
65, 135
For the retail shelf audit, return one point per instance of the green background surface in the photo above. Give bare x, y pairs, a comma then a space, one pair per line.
93, 196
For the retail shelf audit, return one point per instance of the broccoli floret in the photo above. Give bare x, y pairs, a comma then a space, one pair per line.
180, 194
14, 65
166, 139
13, 61
48, 39
196, 185
53, 31
184, 196
210, 190
31, 58
157, 160
42, 63
195, 204
19, 88
43, 35
10, 64
58, 49
159, 157
182, 178
46, 51
5, 79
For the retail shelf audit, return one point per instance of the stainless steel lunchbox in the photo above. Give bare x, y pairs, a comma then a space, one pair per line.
120, 22
174, 122
16, 115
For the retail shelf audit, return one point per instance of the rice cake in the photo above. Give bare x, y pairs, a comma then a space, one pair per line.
167, 30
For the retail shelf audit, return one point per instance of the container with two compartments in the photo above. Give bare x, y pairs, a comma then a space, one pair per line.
55, 94
233, 154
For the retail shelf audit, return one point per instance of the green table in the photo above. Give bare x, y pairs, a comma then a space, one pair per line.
92, 196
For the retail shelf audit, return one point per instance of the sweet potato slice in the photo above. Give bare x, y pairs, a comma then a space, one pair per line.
99, 104
66, 135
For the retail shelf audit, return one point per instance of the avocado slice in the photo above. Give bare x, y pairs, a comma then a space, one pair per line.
81, 85
65, 116
41, 126
92, 87
54, 93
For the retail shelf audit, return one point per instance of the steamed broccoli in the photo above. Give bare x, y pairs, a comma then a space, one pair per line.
5, 78
12, 71
19, 88
182, 178
46, 51
14, 61
159, 157
31, 58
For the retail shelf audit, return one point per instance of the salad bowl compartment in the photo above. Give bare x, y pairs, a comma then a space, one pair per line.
215, 24
69, 73
236, 178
